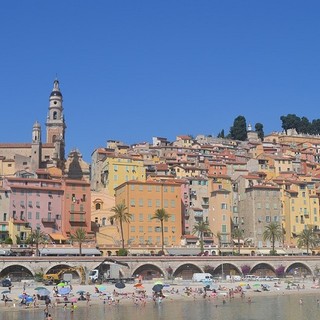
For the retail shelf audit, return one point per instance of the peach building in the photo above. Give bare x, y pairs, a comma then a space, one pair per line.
142, 200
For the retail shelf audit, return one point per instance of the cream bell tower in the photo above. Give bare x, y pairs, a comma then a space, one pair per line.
55, 124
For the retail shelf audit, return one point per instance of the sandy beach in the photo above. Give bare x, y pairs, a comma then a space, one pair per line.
141, 294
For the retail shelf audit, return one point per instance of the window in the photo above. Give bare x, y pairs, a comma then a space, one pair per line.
172, 189
132, 203
141, 217
133, 229
223, 206
132, 187
37, 215
29, 215
149, 229
224, 228
149, 188
173, 203
267, 206
268, 219
149, 203
165, 203
140, 187
140, 202
165, 189
158, 203
140, 228
157, 188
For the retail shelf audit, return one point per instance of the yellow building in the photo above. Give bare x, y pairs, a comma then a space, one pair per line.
107, 233
116, 170
142, 200
300, 208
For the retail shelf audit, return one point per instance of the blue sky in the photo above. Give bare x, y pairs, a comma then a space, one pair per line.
133, 69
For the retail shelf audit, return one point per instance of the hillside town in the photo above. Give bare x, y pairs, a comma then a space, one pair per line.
235, 188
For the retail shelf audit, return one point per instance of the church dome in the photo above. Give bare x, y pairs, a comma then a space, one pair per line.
36, 125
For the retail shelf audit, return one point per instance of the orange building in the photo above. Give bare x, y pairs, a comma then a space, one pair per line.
142, 200
76, 207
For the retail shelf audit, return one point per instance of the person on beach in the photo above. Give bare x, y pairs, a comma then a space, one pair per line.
49, 317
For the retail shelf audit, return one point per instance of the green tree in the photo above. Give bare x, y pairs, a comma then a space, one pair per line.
238, 234
291, 121
37, 237
162, 216
201, 228
273, 232
221, 134
307, 239
239, 129
80, 236
259, 129
304, 125
122, 216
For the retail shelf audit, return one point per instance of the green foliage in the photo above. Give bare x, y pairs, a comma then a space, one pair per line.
38, 276
162, 216
80, 236
301, 125
239, 129
273, 232
307, 239
121, 215
201, 228
221, 134
273, 253
259, 129
122, 252
8, 241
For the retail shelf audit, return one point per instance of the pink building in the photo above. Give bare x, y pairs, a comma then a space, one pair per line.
34, 204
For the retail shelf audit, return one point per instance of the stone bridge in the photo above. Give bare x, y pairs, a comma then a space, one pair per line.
150, 267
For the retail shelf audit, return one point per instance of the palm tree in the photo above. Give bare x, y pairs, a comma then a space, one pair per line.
219, 237
121, 215
161, 215
307, 239
201, 228
273, 232
37, 237
238, 234
80, 236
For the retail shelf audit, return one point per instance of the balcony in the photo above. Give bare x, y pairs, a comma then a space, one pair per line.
48, 221
77, 222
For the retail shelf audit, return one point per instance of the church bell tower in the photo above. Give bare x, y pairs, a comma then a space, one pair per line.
55, 124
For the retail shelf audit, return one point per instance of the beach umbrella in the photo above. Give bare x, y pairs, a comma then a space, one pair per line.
64, 290
256, 285
39, 288
81, 292
101, 288
120, 285
157, 287
158, 282
74, 299
61, 284
43, 292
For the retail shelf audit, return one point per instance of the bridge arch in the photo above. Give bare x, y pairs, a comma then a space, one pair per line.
16, 272
228, 269
298, 269
186, 271
263, 269
148, 271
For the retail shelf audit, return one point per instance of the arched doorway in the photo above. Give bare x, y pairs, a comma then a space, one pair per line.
226, 269
298, 270
263, 270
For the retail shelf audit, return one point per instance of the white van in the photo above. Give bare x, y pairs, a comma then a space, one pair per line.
250, 277
199, 277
